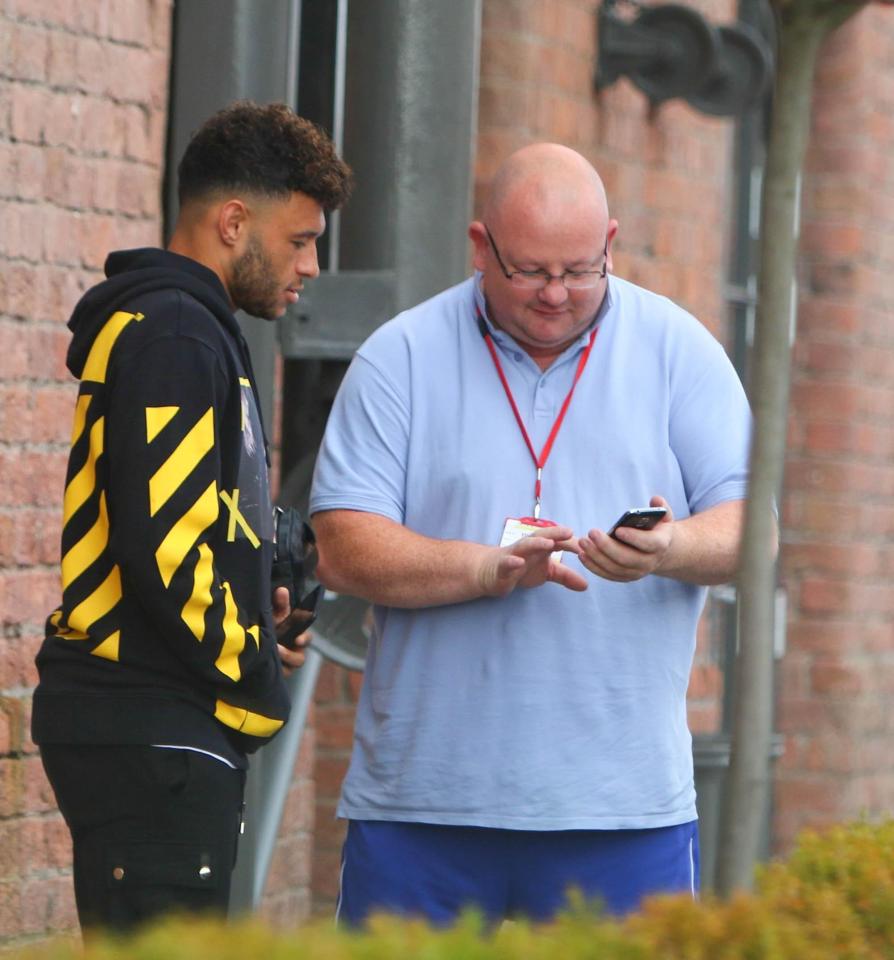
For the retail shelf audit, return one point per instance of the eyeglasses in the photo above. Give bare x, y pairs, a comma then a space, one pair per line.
538, 279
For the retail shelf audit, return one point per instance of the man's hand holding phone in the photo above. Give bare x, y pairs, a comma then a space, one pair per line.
292, 647
634, 547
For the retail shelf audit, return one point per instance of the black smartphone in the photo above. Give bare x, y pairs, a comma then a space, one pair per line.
643, 518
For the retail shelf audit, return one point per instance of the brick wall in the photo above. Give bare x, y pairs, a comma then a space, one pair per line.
837, 679
83, 96
335, 700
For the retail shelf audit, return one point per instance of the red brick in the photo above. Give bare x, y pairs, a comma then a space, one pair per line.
283, 910
355, 684
11, 774
138, 191
328, 686
137, 135
818, 317
324, 878
19, 648
46, 905
62, 58
823, 637
290, 864
161, 24
61, 236
329, 832
329, 772
848, 477
128, 74
52, 413
30, 107
505, 100
705, 681
506, 16
814, 794
833, 241
105, 195
157, 137
29, 48
92, 65
11, 919
31, 594
38, 794
57, 842
703, 718
298, 810
836, 401
26, 171
15, 413
129, 21
96, 235
335, 727
96, 130
71, 180
836, 678
47, 346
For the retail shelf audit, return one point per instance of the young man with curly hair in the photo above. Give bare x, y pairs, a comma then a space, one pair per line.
161, 670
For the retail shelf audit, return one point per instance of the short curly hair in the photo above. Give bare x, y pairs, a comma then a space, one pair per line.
266, 150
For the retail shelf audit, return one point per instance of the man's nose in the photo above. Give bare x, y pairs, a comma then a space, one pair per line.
308, 264
554, 292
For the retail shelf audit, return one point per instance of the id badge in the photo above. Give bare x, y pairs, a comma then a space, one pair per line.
517, 527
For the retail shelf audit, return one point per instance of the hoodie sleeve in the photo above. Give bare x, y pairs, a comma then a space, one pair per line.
169, 513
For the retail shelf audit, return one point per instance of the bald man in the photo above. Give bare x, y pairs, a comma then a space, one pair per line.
522, 724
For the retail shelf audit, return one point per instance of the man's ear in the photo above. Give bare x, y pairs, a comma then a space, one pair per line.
232, 218
610, 235
478, 236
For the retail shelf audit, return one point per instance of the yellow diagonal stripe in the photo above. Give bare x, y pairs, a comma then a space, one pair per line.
185, 532
181, 463
98, 359
80, 417
83, 483
108, 649
238, 718
234, 638
157, 418
194, 609
98, 604
236, 516
87, 550
64, 632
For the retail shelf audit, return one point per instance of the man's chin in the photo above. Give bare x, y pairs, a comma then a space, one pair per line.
264, 311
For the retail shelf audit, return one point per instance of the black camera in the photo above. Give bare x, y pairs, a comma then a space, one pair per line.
294, 565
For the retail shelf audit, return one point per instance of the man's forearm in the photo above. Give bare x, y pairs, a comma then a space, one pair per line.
705, 546
370, 556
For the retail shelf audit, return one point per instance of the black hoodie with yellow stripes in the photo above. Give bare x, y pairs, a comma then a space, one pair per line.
165, 633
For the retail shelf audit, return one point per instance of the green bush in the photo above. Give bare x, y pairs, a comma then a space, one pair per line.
832, 900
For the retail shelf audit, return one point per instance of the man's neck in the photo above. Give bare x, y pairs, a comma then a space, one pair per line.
187, 241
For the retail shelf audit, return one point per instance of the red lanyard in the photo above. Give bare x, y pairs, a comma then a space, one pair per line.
539, 462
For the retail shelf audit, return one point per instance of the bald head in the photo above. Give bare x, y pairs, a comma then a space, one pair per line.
545, 220
546, 180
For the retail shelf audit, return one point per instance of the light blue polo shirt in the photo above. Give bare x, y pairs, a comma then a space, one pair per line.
545, 709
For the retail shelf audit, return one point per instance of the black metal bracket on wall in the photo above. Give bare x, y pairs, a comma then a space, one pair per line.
671, 50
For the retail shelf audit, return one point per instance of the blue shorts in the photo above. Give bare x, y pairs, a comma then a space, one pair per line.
430, 871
